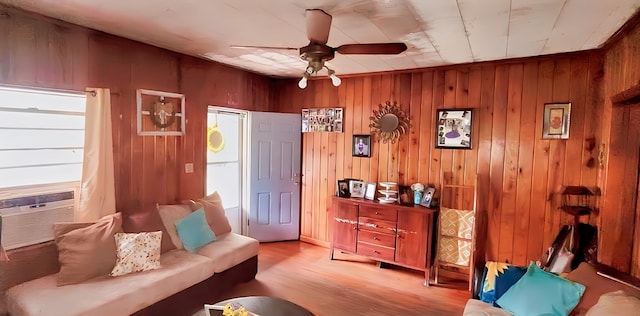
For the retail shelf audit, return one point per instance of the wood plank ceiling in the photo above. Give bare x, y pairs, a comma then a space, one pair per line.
437, 32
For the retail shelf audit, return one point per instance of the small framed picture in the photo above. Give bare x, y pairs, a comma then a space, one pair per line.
343, 188
555, 124
361, 146
370, 192
427, 198
357, 188
405, 195
454, 128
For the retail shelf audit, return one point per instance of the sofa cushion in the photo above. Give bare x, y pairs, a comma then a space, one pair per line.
147, 222
106, 295
87, 252
194, 231
137, 252
214, 212
170, 214
480, 308
541, 293
616, 303
596, 285
229, 250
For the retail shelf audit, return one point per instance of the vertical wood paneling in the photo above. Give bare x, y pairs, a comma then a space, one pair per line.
496, 173
525, 164
518, 172
511, 152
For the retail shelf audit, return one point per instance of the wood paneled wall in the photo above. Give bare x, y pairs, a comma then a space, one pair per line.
40, 52
620, 227
519, 174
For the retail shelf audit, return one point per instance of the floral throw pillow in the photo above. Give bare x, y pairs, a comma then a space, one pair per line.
137, 252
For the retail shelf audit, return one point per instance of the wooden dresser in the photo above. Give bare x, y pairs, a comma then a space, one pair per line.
390, 233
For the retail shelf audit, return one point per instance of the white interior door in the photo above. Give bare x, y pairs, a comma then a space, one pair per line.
274, 176
225, 161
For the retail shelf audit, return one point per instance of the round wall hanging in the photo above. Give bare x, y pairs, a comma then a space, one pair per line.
215, 140
389, 122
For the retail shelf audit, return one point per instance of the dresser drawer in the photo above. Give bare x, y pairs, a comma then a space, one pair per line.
376, 225
386, 213
369, 250
385, 240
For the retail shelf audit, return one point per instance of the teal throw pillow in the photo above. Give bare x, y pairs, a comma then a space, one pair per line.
194, 232
541, 293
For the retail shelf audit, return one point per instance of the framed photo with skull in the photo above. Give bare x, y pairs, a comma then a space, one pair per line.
160, 113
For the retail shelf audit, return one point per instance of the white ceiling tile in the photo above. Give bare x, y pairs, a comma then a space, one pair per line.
487, 25
530, 24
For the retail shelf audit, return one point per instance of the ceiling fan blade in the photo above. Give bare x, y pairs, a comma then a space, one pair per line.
371, 49
318, 25
262, 47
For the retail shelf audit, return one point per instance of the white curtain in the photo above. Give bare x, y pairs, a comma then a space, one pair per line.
97, 192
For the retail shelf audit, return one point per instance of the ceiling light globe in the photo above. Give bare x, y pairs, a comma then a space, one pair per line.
335, 80
302, 83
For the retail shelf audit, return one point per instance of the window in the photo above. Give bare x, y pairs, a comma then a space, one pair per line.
41, 137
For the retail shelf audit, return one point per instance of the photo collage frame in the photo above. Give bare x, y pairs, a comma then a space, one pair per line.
322, 120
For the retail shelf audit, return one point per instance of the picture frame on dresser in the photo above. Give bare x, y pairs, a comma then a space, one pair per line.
357, 188
427, 197
343, 188
370, 191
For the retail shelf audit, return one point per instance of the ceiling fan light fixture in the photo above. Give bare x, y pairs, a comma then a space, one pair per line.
334, 79
303, 81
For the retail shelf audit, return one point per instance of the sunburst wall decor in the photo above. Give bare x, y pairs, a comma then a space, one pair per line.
389, 122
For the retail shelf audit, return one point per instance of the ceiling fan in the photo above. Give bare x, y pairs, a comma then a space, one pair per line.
317, 51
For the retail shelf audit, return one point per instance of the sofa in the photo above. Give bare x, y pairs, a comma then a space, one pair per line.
182, 280
600, 290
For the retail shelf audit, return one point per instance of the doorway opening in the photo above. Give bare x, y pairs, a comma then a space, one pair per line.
225, 166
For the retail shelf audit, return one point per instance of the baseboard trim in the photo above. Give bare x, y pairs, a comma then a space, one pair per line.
316, 242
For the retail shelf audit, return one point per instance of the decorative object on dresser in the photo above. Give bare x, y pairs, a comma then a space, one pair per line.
389, 122
454, 128
164, 110
322, 120
417, 188
391, 233
556, 120
387, 192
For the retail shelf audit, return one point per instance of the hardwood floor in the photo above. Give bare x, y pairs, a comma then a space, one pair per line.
348, 285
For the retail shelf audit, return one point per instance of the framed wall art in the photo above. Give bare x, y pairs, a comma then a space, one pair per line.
361, 146
556, 120
322, 120
160, 113
454, 128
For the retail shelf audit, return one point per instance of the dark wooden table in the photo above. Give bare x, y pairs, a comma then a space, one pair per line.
268, 306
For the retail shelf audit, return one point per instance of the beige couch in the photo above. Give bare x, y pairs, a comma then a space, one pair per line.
596, 286
182, 284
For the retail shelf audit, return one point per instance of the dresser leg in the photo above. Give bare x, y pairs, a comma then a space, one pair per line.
426, 277
331, 254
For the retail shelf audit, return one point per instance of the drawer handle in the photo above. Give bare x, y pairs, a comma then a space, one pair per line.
377, 213
376, 238
376, 252
374, 225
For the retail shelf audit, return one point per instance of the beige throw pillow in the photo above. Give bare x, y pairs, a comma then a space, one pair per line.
170, 214
616, 303
214, 211
137, 252
87, 252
